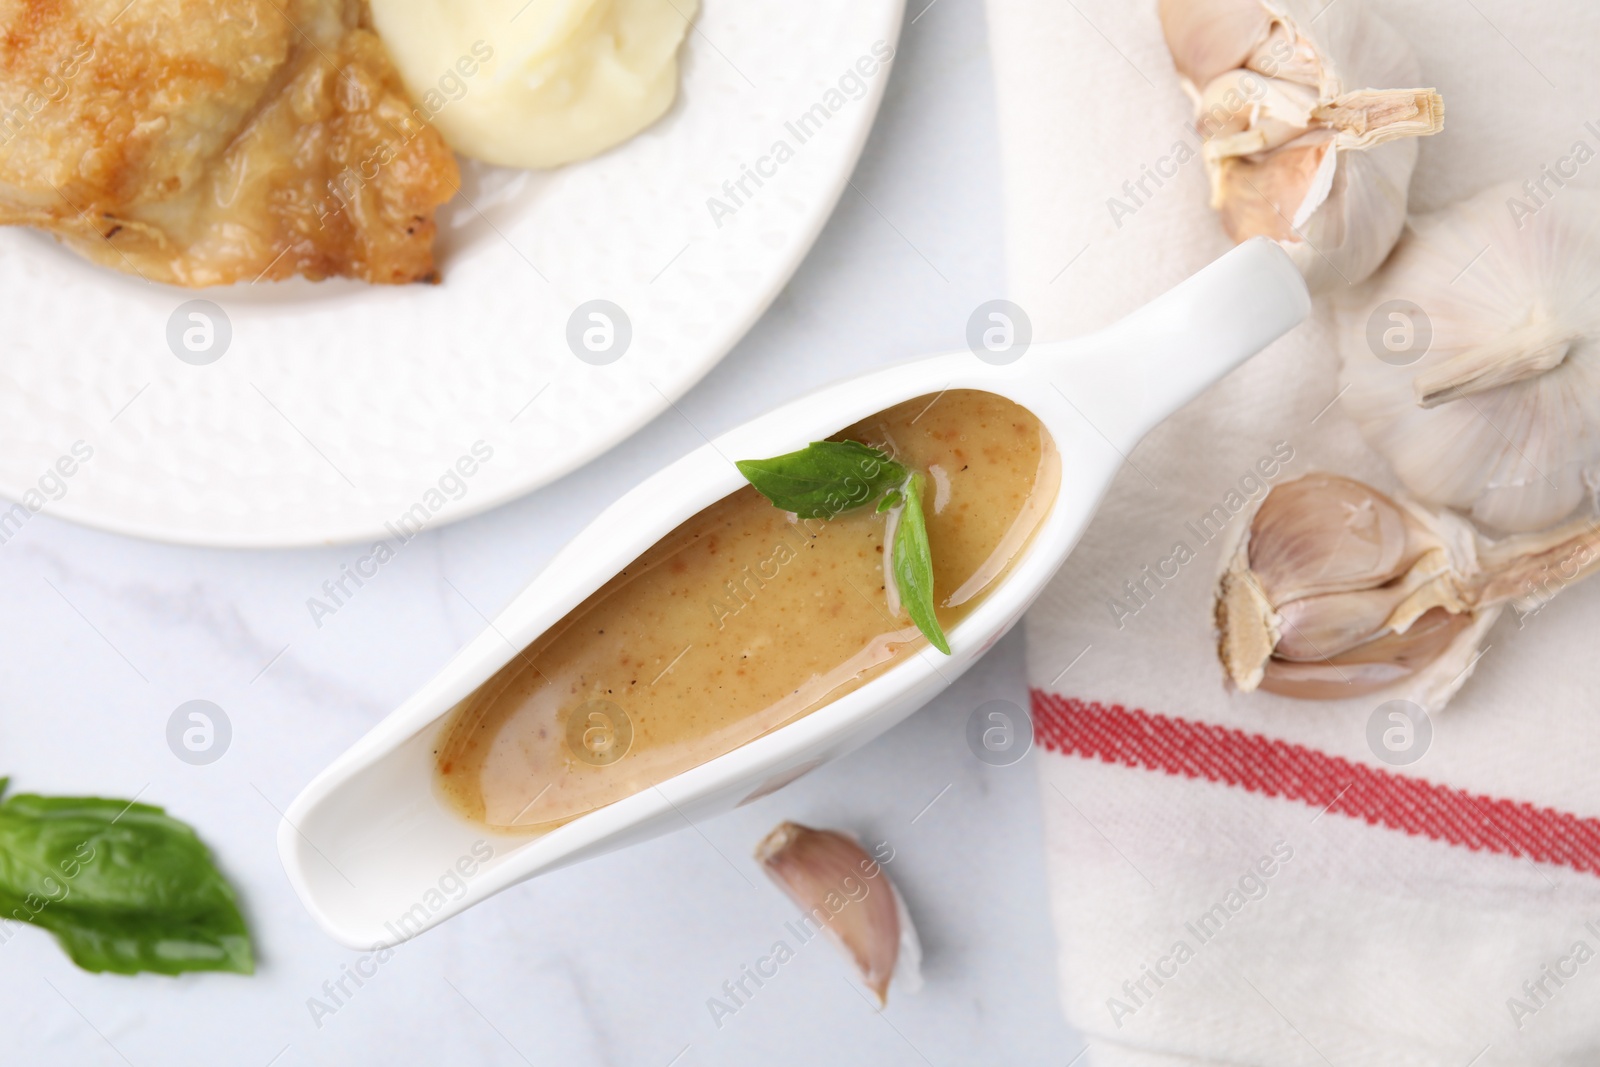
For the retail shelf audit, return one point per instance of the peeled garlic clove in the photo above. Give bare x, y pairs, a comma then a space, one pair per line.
1488, 401
1309, 123
845, 892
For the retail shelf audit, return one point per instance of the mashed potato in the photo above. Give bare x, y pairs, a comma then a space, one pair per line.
536, 83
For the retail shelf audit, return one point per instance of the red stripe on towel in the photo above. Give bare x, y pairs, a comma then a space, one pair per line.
1260, 764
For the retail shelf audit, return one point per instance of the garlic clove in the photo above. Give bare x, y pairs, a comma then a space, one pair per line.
1260, 197
1310, 539
1320, 627
1209, 37
1329, 625
1323, 533
1284, 54
1376, 665
1337, 591
845, 892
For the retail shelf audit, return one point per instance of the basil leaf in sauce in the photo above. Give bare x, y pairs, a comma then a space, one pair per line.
124, 887
912, 563
824, 479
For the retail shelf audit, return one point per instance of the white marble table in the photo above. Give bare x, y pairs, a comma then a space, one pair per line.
612, 962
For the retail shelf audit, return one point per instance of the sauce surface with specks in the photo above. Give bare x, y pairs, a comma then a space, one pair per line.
741, 620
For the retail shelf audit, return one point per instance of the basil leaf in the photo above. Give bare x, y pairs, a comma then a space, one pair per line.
124, 887
913, 566
825, 478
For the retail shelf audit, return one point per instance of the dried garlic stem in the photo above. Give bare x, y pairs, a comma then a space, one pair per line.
1371, 117
1535, 566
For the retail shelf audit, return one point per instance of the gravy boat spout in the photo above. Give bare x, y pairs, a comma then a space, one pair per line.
378, 856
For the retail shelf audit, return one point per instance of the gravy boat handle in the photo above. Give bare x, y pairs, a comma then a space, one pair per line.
1142, 368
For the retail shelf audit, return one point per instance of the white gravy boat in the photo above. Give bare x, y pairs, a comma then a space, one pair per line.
377, 856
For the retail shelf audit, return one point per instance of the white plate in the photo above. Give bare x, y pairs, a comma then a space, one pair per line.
338, 408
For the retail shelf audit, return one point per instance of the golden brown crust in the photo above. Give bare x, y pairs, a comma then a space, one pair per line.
201, 142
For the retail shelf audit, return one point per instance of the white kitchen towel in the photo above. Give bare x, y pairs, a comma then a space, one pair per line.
1238, 878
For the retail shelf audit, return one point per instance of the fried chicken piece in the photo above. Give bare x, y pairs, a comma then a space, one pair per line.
202, 142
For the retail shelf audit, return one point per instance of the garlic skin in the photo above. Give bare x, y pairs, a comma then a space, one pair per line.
1310, 139
1336, 590
846, 893
1500, 417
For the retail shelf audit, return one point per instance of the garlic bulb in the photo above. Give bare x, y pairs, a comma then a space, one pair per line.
843, 891
1472, 360
1309, 138
1337, 590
